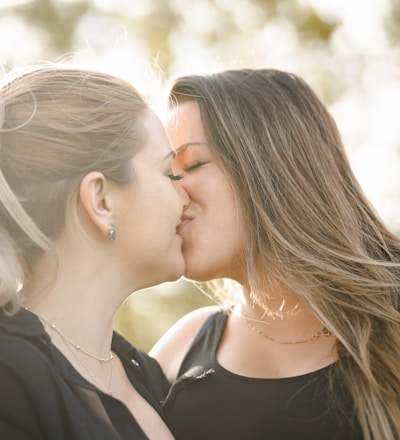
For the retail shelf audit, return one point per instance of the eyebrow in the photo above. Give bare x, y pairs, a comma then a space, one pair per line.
188, 144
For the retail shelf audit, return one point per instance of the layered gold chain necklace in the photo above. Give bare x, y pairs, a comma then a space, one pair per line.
322, 332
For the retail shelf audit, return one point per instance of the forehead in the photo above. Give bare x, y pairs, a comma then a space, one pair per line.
184, 125
193, 150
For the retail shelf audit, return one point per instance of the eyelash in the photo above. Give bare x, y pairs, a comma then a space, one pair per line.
194, 166
175, 177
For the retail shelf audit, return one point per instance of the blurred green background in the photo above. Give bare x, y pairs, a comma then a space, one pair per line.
349, 51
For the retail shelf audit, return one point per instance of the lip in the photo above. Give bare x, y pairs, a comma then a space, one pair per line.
185, 219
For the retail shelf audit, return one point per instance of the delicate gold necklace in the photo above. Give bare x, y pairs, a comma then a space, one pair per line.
79, 349
109, 390
322, 332
76, 346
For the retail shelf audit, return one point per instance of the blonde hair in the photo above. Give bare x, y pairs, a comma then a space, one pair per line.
56, 125
308, 224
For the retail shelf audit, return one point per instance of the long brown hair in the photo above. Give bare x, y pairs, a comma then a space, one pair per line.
308, 224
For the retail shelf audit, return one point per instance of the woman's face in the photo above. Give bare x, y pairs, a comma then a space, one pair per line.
210, 226
149, 213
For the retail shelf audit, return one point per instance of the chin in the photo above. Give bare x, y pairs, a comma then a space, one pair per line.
196, 272
175, 273
192, 271
196, 275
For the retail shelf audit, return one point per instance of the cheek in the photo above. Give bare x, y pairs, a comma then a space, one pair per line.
223, 201
204, 188
169, 204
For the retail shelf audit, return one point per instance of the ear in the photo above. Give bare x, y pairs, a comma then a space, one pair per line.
96, 200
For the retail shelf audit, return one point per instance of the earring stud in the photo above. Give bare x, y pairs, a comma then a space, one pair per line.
111, 232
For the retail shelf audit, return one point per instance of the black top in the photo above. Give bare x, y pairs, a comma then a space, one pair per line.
207, 402
42, 396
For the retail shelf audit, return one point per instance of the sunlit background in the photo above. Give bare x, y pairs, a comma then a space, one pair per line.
348, 51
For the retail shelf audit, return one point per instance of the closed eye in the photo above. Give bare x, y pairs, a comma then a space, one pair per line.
194, 166
175, 176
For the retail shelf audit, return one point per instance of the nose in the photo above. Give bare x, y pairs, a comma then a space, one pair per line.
183, 195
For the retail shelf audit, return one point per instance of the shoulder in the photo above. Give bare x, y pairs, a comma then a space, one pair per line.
29, 389
183, 330
18, 351
25, 361
27, 354
174, 344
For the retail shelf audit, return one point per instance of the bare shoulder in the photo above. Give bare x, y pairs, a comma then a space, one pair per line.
173, 345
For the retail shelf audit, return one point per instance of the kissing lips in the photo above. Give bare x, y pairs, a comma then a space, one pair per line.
185, 219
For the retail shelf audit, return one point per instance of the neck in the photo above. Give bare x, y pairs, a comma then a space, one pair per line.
284, 316
278, 305
55, 330
82, 306
76, 292
84, 334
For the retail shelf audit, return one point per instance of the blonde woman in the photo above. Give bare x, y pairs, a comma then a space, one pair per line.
89, 212
309, 348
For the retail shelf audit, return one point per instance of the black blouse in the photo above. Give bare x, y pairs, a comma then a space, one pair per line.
43, 397
208, 402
